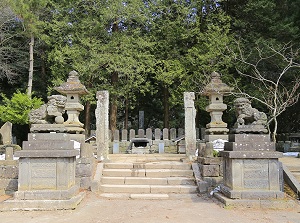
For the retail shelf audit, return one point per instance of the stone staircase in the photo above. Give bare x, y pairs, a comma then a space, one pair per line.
145, 180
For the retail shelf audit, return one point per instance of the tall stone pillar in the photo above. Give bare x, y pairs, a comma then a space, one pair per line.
102, 125
190, 126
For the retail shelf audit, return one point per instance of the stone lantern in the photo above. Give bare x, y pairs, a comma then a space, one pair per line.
73, 89
215, 90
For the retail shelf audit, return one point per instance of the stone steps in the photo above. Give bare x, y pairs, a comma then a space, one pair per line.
145, 180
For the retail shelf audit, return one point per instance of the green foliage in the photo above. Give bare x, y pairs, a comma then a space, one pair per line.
16, 109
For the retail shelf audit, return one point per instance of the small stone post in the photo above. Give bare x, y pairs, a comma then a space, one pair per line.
102, 122
190, 125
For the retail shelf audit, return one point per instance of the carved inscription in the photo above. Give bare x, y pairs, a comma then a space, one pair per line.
256, 174
43, 175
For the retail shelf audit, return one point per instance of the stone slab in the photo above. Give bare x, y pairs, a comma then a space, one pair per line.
47, 153
212, 170
47, 128
123, 172
249, 146
48, 145
262, 204
250, 154
41, 205
250, 138
47, 194
210, 160
149, 196
210, 138
49, 136
109, 188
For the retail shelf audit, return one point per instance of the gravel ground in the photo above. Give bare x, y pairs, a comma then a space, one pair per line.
95, 209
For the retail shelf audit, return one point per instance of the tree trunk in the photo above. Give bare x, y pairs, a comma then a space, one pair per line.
166, 107
126, 113
113, 105
30, 76
87, 118
275, 130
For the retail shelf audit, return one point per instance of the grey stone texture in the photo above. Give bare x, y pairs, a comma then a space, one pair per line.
102, 125
251, 173
249, 120
6, 133
47, 173
215, 90
73, 89
190, 125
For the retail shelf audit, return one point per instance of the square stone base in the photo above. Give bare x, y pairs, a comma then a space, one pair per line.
283, 203
41, 205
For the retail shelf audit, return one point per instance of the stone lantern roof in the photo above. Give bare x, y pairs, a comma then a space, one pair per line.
72, 86
216, 86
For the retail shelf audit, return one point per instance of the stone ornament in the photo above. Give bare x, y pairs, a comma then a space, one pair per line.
249, 120
215, 90
73, 89
50, 112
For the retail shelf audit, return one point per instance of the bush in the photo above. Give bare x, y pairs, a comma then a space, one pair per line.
16, 109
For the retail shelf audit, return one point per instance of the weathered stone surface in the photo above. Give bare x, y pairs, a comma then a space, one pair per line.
50, 112
249, 146
210, 160
48, 136
249, 120
48, 128
215, 91
102, 122
9, 172
46, 173
190, 125
48, 145
84, 170
250, 154
8, 185
210, 170
47, 153
210, 138
249, 138
6, 133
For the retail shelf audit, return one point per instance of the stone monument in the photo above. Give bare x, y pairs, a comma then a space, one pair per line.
252, 172
102, 125
73, 89
215, 90
211, 167
190, 125
48, 159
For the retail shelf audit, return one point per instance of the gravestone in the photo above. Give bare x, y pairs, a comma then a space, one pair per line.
6, 133
141, 119
141, 133
124, 135
131, 134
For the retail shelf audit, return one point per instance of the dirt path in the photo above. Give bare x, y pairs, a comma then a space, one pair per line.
94, 209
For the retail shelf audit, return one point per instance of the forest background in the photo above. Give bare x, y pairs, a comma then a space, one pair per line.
146, 53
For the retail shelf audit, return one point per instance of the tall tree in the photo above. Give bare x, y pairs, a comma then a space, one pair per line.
29, 11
